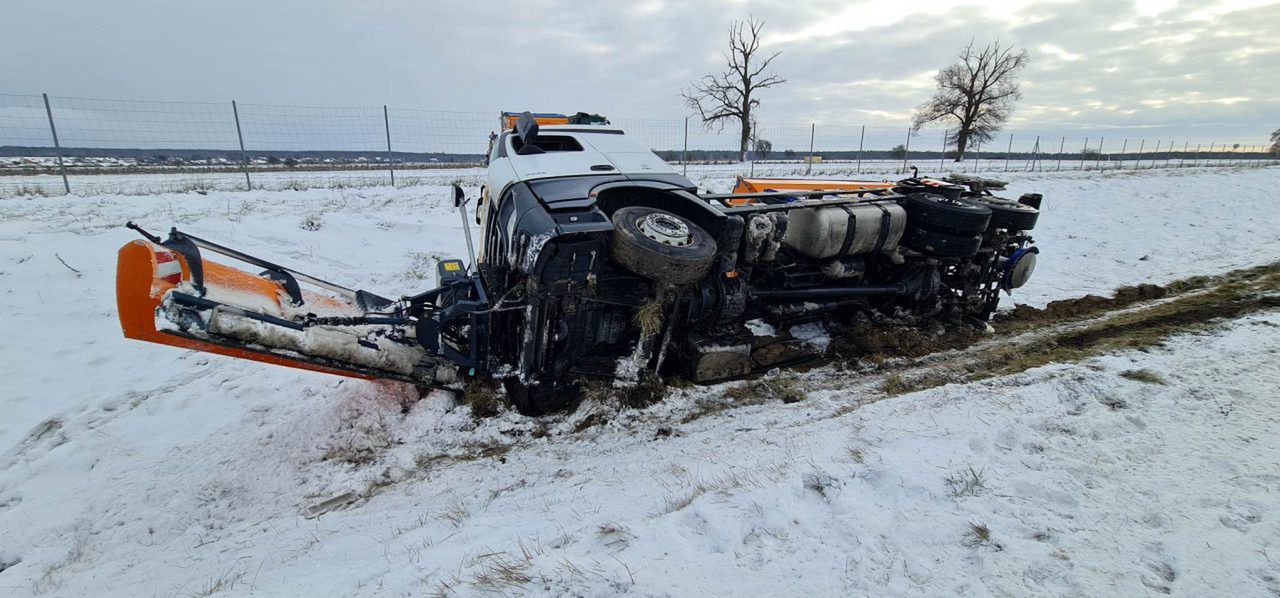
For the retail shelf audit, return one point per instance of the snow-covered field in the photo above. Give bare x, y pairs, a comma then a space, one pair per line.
128, 469
233, 180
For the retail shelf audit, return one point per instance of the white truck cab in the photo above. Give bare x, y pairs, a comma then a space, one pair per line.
570, 150
562, 150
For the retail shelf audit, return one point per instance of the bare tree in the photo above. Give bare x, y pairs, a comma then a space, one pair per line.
730, 95
1275, 141
762, 147
975, 95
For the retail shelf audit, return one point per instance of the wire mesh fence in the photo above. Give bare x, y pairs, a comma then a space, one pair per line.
52, 145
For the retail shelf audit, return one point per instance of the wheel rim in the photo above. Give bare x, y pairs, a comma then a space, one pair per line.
665, 229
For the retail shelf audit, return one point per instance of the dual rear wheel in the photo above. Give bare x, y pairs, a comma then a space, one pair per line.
954, 227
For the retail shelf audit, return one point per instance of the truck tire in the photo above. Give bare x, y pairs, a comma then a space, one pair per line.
1009, 214
540, 399
661, 246
958, 216
940, 244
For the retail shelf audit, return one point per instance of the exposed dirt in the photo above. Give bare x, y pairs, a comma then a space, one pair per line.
1081, 328
1057, 311
1023, 317
876, 342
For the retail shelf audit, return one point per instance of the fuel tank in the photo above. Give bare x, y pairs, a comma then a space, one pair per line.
851, 229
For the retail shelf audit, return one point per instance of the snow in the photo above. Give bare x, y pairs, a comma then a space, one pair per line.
759, 327
128, 469
813, 334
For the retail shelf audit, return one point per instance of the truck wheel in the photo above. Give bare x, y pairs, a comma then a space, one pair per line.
540, 399
957, 216
1009, 214
940, 244
661, 246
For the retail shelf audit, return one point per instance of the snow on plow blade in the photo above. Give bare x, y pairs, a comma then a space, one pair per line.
165, 298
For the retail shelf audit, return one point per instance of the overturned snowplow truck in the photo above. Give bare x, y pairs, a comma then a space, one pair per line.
597, 260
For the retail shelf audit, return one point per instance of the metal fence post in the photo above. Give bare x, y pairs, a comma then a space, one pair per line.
1183, 161
1208, 161
1196, 161
1168, 154
1008, 152
812, 128
1123, 148
1082, 152
391, 162
906, 151
942, 157
57, 147
1156, 154
1100, 142
1062, 148
1035, 155
861, 138
684, 153
1137, 165
244, 158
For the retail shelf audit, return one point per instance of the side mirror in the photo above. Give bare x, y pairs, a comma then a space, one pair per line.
459, 197
527, 131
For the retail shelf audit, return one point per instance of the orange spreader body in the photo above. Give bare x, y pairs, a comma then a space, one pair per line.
746, 185
141, 285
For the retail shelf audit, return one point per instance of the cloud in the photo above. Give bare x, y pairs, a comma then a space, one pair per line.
1190, 68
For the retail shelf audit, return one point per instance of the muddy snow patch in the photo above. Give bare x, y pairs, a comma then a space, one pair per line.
813, 334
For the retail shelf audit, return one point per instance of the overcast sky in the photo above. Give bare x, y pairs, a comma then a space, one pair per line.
1196, 69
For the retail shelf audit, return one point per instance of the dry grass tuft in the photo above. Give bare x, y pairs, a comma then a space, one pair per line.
1146, 376
687, 489
614, 535
456, 513
649, 317
312, 222
966, 482
853, 455
500, 572
979, 534
763, 391
896, 384
224, 582
30, 191
751, 392
484, 396
636, 396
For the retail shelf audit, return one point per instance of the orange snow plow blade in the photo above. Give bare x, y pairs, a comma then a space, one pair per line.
239, 314
749, 185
